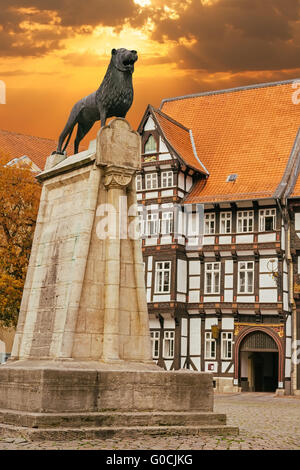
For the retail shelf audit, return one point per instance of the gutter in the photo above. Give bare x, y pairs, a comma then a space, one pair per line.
282, 205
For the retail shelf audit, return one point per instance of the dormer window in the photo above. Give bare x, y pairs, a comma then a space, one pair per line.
150, 145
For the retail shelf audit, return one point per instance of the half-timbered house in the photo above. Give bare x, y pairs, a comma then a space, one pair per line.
224, 298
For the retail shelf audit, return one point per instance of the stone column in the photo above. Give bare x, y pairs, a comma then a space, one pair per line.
116, 180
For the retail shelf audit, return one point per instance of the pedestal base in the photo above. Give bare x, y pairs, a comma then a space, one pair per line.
69, 400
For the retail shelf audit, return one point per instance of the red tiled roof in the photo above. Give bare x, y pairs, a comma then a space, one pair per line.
248, 131
18, 145
180, 139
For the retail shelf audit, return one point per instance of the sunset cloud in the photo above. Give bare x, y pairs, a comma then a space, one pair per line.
54, 52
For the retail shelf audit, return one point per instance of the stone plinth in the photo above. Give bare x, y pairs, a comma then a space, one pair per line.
81, 360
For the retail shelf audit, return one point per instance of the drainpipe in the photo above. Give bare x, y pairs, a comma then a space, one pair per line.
285, 216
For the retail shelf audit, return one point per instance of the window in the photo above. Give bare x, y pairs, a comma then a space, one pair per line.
162, 277
210, 346
141, 225
212, 278
245, 277
209, 225
152, 226
150, 145
267, 220
168, 347
226, 345
151, 181
245, 221
167, 223
138, 182
155, 337
166, 179
225, 222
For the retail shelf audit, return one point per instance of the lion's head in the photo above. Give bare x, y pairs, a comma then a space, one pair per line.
124, 60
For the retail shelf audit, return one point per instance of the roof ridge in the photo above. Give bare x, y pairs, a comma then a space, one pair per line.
26, 135
229, 90
177, 123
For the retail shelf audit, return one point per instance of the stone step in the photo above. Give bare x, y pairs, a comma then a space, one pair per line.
110, 418
105, 432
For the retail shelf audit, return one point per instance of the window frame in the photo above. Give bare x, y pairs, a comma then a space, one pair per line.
262, 219
209, 340
166, 221
226, 219
171, 339
249, 217
162, 179
213, 272
155, 339
151, 177
139, 183
246, 281
226, 339
152, 217
209, 218
154, 148
162, 270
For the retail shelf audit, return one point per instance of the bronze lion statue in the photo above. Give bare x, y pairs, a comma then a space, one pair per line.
113, 98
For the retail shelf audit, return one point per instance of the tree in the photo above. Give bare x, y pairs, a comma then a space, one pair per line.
19, 201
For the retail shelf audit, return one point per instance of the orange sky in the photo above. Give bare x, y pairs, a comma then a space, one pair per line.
54, 52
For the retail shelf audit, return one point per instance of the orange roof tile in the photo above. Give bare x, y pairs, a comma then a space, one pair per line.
180, 138
18, 145
249, 131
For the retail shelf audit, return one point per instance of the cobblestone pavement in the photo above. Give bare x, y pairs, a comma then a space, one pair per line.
266, 422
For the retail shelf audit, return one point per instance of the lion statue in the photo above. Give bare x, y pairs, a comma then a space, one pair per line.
113, 98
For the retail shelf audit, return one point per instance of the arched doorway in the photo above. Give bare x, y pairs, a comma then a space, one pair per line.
258, 362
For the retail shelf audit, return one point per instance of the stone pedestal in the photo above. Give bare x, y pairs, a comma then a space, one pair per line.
81, 360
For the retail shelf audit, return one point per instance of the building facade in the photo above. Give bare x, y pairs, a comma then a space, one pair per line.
220, 222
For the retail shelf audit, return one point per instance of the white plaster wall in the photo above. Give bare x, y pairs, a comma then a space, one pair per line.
194, 282
225, 240
181, 180
268, 295
169, 323
288, 326
183, 346
228, 282
194, 296
154, 323
210, 321
266, 280
227, 323
162, 146
244, 239
181, 276
267, 237
228, 296
189, 183
265, 264
195, 336
149, 125
194, 267
228, 266
184, 330
161, 298
297, 221
211, 299
197, 362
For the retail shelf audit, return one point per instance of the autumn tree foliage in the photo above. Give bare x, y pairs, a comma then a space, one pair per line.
19, 200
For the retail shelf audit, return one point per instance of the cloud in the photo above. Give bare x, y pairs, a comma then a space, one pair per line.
37, 27
231, 35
